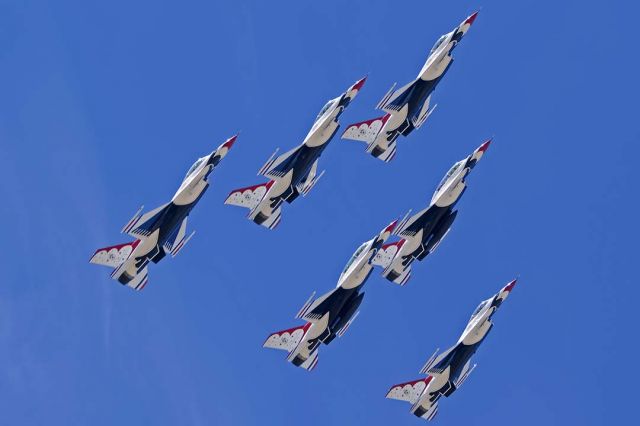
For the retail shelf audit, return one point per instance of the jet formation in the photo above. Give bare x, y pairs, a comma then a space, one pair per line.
163, 230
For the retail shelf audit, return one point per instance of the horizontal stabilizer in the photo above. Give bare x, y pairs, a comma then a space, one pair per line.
397, 277
311, 362
286, 340
248, 197
366, 131
432, 413
409, 391
274, 220
114, 256
140, 280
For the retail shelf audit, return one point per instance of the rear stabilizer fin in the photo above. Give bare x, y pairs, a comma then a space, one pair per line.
114, 256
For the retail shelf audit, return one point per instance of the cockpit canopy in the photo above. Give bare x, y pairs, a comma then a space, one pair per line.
195, 166
438, 43
354, 257
480, 307
326, 108
450, 173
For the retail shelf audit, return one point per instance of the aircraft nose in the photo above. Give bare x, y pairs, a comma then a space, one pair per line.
470, 19
482, 148
358, 84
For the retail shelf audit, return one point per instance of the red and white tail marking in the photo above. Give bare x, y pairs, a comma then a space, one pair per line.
286, 340
387, 253
409, 391
114, 256
250, 196
366, 131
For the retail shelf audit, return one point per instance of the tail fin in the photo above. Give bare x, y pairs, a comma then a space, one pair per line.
114, 256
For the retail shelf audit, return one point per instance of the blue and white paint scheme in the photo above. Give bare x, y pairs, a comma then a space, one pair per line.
447, 371
331, 314
294, 172
423, 232
408, 107
162, 230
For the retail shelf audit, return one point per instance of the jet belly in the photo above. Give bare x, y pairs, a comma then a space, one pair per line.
435, 69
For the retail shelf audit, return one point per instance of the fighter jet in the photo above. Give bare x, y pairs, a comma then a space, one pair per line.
408, 107
294, 172
449, 370
422, 233
162, 230
331, 314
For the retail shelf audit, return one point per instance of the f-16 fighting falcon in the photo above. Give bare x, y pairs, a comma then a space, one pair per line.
422, 233
448, 371
408, 107
162, 230
331, 314
294, 172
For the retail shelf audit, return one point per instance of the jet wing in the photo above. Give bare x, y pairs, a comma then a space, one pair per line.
398, 99
141, 225
281, 165
417, 222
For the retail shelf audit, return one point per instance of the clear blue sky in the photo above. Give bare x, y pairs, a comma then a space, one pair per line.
105, 105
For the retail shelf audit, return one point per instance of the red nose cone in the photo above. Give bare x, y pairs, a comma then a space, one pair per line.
471, 18
391, 226
359, 84
229, 143
510, 286
484, 146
